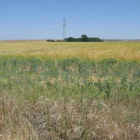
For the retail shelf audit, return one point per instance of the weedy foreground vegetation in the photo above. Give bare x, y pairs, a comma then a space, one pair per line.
53, 91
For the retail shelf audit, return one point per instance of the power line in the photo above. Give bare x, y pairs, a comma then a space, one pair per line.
64, 31
34, 32
102, 31
64, 28
24, 28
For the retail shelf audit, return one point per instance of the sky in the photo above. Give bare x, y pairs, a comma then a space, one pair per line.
43, 19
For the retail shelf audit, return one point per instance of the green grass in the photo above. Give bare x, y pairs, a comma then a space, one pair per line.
69, 98
74, 77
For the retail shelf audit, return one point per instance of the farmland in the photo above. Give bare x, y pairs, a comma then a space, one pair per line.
69, 91
96, 51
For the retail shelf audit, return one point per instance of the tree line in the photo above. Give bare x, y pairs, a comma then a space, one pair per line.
84, 38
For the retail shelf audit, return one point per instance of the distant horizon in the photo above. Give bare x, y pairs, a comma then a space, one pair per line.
62, 39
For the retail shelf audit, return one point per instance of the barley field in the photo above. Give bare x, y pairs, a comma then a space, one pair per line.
95, 51
69, 91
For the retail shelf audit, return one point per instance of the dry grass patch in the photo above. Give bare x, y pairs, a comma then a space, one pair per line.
59, 119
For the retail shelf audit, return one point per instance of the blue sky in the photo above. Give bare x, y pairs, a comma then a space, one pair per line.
42, 19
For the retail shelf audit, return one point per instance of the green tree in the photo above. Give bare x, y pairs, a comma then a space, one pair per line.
84, 38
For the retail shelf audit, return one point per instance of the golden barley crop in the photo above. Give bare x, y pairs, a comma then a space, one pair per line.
90, 50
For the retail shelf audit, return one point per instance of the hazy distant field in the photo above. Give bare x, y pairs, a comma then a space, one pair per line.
69, 91
117, 50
